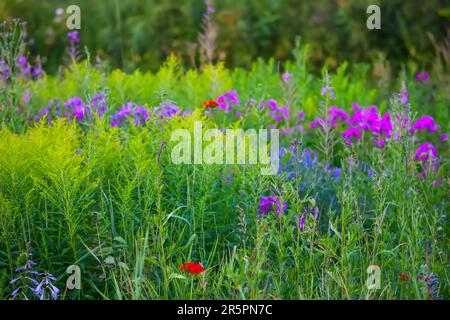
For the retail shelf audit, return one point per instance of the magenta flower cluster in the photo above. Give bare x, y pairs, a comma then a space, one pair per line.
130, 111
423, 76
74, 108
228, 101
25, 70
426, 154
271, 204
277, 111
369, 119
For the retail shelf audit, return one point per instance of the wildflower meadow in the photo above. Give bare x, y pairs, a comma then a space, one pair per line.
280, 180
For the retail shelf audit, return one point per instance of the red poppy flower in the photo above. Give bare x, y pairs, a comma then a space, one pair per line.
210, 104
192, 267
404, 276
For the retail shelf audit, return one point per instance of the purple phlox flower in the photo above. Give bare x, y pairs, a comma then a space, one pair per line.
425, 122
423, 76
27, 71
24, 66
274, 110
425, 152
140, 114
368, 118
301, 115
21, 62
37, 71
351, 134
379, 143
319, 122
166, 109
98, 98
278, 113
427, 155
444, 137
228, 101
271, 204
130, 110
286, 77
125, 111
363, 116
73, 36
187, 112
336, 115
381, 126
102, 109
79, 112
75, 108
6, 70
355, 106
287, 131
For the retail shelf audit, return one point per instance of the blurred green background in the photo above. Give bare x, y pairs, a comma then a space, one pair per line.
141, 33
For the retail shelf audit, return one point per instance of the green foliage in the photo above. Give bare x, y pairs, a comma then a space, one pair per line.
110, 199
135, 33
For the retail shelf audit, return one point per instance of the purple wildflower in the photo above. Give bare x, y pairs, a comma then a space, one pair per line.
351, 134
286, 77
301, 221
228, 101
327, 90
21, 62
336, 115
270, 204
73, 36
187, 112
166, 109
425, 123
427, 154
45, 289
423, 76
404, 96
30, 280
301, 115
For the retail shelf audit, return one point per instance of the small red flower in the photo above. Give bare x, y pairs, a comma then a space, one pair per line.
210, 104
193, 268
404, 276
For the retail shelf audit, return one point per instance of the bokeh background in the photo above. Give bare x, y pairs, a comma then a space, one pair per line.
141, 33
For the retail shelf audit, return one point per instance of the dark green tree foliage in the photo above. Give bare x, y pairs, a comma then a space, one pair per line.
135, 33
